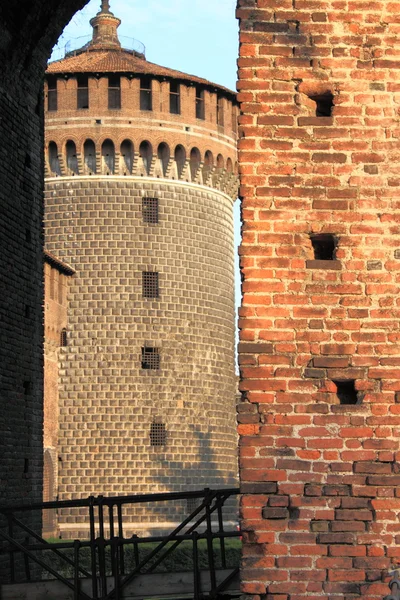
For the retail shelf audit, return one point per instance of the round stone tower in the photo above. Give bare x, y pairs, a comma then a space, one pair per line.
140, 181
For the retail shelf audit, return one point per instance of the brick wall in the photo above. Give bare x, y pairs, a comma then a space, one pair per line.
27, 32
56, 283
214, 143
319, 351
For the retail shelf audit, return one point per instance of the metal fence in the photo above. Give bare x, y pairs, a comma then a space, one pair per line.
103, 566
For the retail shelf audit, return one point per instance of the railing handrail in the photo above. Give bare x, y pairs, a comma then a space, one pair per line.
113, 500
107, 541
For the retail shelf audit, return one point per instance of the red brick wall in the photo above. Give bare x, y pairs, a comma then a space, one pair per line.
157, 126
321, 504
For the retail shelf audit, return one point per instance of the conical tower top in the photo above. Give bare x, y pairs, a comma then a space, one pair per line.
105, 26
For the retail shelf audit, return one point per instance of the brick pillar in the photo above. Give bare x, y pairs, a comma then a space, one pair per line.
319, 84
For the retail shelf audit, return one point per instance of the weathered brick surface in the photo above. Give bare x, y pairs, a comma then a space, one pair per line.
326, 321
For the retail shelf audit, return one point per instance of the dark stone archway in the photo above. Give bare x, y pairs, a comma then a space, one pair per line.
28, 30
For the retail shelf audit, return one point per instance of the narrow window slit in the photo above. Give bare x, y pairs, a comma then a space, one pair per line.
346, 391
324, 104
145, 93
114, 91
324, 246
63, 338
200, 114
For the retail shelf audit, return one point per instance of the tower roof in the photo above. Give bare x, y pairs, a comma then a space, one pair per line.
104, 54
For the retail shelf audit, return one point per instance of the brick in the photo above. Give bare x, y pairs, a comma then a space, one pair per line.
258, 488
331, 362
320, 157
275, 513
314, 373
367, 467
329, 265
388, 480
353, 515
336, 490
256, 348
336, 538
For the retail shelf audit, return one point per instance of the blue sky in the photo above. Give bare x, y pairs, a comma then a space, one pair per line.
195, 36
199, 37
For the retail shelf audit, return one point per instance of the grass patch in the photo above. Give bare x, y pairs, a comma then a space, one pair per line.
180, 559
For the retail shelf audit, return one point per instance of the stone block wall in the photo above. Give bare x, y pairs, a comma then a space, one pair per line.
110, 407
320, 338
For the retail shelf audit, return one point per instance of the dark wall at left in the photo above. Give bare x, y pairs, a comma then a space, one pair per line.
28, 30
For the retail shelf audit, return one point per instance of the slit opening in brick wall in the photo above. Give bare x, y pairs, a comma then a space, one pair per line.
324, 246
346, 391
158, 433
317, 97
324, 104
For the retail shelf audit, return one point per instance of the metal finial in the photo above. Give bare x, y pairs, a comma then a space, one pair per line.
105, 6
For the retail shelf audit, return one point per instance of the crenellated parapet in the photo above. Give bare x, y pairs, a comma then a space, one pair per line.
192, 167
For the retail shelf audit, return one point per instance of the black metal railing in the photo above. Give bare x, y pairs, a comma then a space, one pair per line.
105, 565
394, 588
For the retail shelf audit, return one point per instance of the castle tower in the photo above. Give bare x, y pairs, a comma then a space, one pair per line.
141, 177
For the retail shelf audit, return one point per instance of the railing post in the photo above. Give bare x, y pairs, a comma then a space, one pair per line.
394, 588
11, 535
196, 574
26, 561
77, 545
220, 503
136, 556
101, 544
111, 536
115, 547
93, 548
121, 537
100, 505
209, 536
